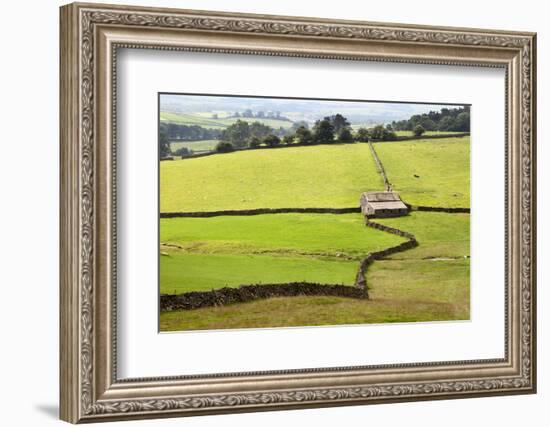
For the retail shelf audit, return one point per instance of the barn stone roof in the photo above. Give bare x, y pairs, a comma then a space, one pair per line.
388, 205
382, 200
381, 196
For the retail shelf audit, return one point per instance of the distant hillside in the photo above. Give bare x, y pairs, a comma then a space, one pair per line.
199, 119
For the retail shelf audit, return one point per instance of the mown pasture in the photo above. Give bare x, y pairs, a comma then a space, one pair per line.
299, 177
429, 172
324, 235
187, 272
208, 253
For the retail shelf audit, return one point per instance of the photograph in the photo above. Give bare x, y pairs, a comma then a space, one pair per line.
298, 212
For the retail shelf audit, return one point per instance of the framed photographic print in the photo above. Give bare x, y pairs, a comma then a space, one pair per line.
267, 212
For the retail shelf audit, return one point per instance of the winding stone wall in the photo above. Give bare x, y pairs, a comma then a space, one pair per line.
191, 300
246, 293
361, 276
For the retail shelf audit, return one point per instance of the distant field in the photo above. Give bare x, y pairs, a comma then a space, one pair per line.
317, 176
190, 120
208, 115
277, 248
442, 167
206, 120
203, 145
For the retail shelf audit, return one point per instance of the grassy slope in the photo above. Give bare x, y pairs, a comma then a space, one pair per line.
405, 288
317, 176
442, 166
231, 251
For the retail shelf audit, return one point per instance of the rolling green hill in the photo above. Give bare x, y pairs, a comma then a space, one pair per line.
427, 283
318, 176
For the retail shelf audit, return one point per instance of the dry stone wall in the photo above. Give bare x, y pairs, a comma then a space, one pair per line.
361, 276
260, 211
246, 293
380, 167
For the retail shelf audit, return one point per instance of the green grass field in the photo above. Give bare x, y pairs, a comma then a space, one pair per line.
186, 272
427, 283
208, 122
343, 235
207, 253
190, 120
401, 291
441, 235
318, 176
442, 169
203, 145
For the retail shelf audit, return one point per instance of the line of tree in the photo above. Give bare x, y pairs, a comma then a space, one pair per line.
448, 119
330, 129
179, 132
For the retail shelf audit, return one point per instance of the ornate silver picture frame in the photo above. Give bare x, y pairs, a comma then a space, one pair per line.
91, 390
